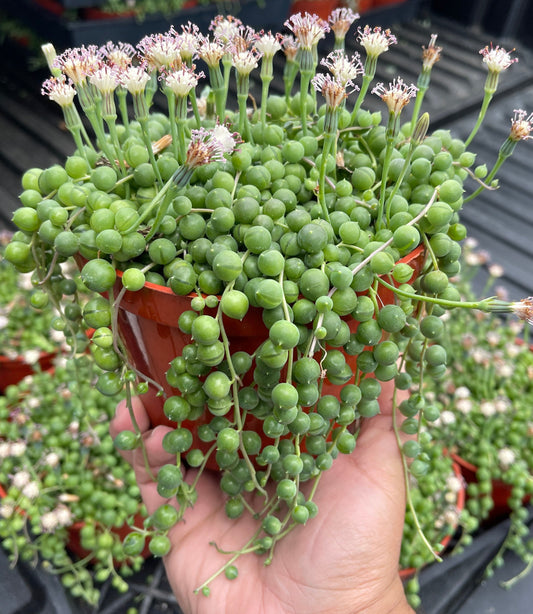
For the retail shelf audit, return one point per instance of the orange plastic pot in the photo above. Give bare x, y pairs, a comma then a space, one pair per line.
12, 371
409, 572
148, 325
500, 490
322, 8
74, 534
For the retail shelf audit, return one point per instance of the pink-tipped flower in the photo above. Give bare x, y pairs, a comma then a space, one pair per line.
183, 80
521, 125
134, 79
268, 44
290, 47
375, 40
331, 88
105, 79
308, 29
60, 90
188, 41
397, 95
211, 52
245, 61
225, 28
343, 68
209, 146
79, 62
119, 54
496, 58
160, 51
340, 21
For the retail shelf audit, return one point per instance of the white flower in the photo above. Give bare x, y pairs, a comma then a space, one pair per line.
506, 370
63, 515
51, 459
268, 44
451, 517
49, 522
487, 408
31, 356
31, 490
453, 483
134, 79
18, 448
20, 479
5, 449
7, 510
464, 406
496, 58
502, 405
462, 392
447, 417
375, 40
4, 321
506, 457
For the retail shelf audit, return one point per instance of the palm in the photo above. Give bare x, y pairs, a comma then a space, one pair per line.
344, 556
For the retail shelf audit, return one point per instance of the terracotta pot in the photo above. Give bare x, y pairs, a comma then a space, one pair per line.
12, 371
148, 325
322, 8
74, 541
500, 490
409, 572
74, 537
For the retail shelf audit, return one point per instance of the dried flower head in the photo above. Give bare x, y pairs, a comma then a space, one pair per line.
431, 53
521, 125
524, 309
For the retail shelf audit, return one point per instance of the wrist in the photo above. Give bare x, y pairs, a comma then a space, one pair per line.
392, 601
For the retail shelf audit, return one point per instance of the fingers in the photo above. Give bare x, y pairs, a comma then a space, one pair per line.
122, 420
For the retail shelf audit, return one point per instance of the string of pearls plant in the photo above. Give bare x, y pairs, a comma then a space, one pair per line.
300, 206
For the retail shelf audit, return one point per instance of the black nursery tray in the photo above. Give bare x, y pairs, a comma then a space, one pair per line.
64, 32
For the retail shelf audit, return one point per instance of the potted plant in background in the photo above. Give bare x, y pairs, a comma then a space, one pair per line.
275, 251
438, 512
27, 341
486, 400
68, 497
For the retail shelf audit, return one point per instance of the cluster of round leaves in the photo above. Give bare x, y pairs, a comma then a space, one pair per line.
248, 236
53, 413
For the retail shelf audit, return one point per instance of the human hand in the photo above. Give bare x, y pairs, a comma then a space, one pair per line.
345, 560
